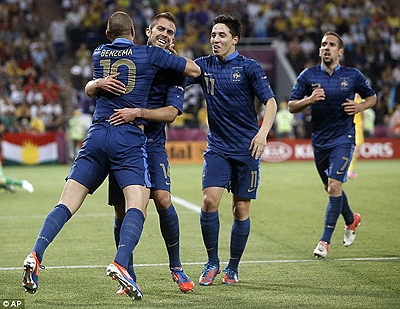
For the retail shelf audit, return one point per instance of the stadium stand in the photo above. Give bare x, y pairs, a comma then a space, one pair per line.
41, 69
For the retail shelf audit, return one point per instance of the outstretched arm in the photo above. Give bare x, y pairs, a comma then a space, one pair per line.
259, 141
191, 69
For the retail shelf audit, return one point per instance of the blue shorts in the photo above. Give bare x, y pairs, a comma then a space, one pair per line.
239, 174
334, 162
107, 148
159, 169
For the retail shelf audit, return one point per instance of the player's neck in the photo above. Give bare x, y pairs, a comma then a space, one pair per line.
223, 58
130, 38
330, 68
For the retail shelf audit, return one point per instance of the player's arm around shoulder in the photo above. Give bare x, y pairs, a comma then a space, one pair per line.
259, 141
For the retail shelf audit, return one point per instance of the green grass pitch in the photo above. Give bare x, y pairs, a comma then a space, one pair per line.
286, 223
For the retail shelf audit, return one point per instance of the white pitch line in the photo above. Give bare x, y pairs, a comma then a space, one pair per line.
242, 262
185, 203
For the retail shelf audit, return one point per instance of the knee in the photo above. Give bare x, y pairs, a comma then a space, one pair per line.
240, 213
163, 202
210, 203
335, 189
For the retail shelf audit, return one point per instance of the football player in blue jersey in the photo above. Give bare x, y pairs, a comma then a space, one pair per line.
329, 90
164, 103
107, 148
230, 83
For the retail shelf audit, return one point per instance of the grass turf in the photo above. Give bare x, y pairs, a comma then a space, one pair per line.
286, 223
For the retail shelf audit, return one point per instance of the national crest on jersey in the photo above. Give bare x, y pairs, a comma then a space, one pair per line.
344, 83
237, 74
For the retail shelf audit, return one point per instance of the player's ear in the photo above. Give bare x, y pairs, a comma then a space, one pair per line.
108, 35
148, 32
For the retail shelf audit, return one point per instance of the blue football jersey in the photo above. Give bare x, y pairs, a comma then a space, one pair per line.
137, 66
331, 126
230, 88
167, 89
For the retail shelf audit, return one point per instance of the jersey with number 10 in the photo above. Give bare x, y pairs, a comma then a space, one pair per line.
137, 66
230, 88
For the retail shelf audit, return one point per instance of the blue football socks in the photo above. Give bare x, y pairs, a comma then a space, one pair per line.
169, 225
52, 225
333, 211
346, 211
209, 222
239, 235
117, 229
131, 230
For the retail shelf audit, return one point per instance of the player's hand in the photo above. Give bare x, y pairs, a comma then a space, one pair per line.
112, 84
351, 107
124, 115
317, 95
258, 144
171, 48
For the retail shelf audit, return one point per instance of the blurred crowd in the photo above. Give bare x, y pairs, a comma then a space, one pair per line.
34, 96
30, 88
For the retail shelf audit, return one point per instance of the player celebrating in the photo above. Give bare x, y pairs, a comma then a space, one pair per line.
235, 142
329, 90
164, 103
107, 148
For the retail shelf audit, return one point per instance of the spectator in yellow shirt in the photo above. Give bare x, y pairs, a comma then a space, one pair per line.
358, 120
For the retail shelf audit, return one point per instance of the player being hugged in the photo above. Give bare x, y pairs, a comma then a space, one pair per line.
164, 103
107, 148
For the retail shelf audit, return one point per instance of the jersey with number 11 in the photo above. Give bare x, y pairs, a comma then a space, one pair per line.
137, 66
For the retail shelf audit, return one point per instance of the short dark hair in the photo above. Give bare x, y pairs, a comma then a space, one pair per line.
341, 43
232, 22
166, 15
119, 25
